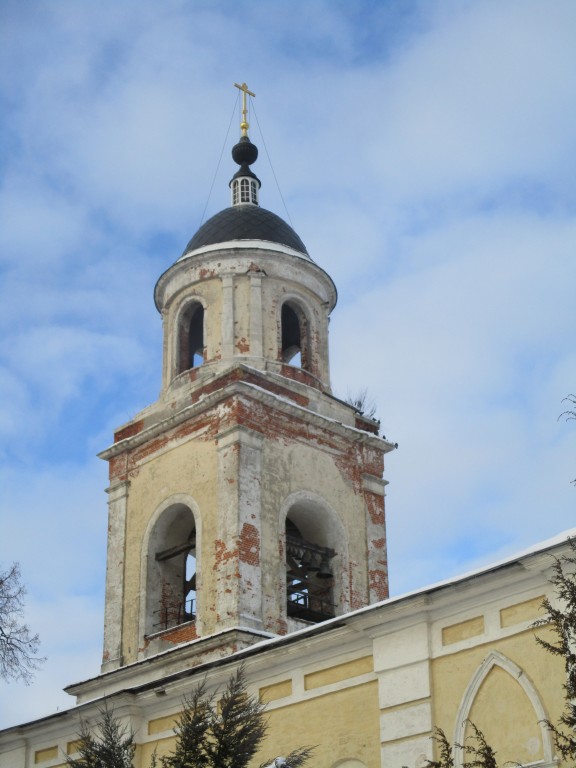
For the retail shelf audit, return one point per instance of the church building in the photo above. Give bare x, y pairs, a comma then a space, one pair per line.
247, 526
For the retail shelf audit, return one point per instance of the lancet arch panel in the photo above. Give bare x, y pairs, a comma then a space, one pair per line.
500, 683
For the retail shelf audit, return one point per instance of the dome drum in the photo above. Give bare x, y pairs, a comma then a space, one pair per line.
245, 292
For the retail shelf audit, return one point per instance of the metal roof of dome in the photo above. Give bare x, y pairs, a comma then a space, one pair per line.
245, 222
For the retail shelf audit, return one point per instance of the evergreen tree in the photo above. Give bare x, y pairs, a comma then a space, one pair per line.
211, 732
224, 733
446, 756
563, 622
112, 746
478, 753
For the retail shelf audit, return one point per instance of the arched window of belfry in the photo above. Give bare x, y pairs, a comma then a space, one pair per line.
191, 337
294, 335
171, 570
310, 593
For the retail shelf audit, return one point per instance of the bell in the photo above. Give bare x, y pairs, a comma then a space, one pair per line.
315, 560
325, 571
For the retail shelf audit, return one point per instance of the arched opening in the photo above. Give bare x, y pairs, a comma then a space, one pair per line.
171, 571
191, 338
309, 569
294, 336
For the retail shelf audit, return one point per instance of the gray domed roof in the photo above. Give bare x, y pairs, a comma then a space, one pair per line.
245, 222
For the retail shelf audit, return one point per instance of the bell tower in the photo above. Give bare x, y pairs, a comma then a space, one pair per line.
247, 501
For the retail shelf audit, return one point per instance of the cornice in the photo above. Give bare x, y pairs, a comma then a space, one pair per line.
253, 392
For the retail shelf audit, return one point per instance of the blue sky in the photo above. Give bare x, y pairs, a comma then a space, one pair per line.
425, 151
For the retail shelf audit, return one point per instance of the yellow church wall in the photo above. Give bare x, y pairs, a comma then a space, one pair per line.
343, 724
276, 691
463, 630
528, 610
144, 752
160, 724
501, 708
338, 673
42, 755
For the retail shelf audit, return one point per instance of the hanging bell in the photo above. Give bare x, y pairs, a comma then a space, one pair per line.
325, 572
315, 562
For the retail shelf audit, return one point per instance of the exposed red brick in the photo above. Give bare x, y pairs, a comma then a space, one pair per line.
180, 634
249, 544
378, 582
243, 346
301, 375
361, 422
129, 430
375, 506
117, 468
222, 554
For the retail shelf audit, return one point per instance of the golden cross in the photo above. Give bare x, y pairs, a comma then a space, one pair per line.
244, 124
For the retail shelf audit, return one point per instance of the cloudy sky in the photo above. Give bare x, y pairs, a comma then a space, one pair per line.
425, 153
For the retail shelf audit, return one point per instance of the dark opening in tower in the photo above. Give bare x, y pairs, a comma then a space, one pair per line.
171, 570
294, 336
309, 577
191, 338
177, 602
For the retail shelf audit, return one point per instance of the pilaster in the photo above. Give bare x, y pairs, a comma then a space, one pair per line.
256, 329
117, 509
227, 316
238, 589
402, 664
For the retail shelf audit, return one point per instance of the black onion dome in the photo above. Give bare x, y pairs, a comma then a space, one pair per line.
244, 152
245, 222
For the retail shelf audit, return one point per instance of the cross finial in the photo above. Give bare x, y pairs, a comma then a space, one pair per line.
245, 92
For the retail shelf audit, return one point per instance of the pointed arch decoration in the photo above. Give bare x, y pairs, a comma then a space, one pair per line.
348, 762
497, 659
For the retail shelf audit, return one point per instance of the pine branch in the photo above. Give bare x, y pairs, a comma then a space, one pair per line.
446, 759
